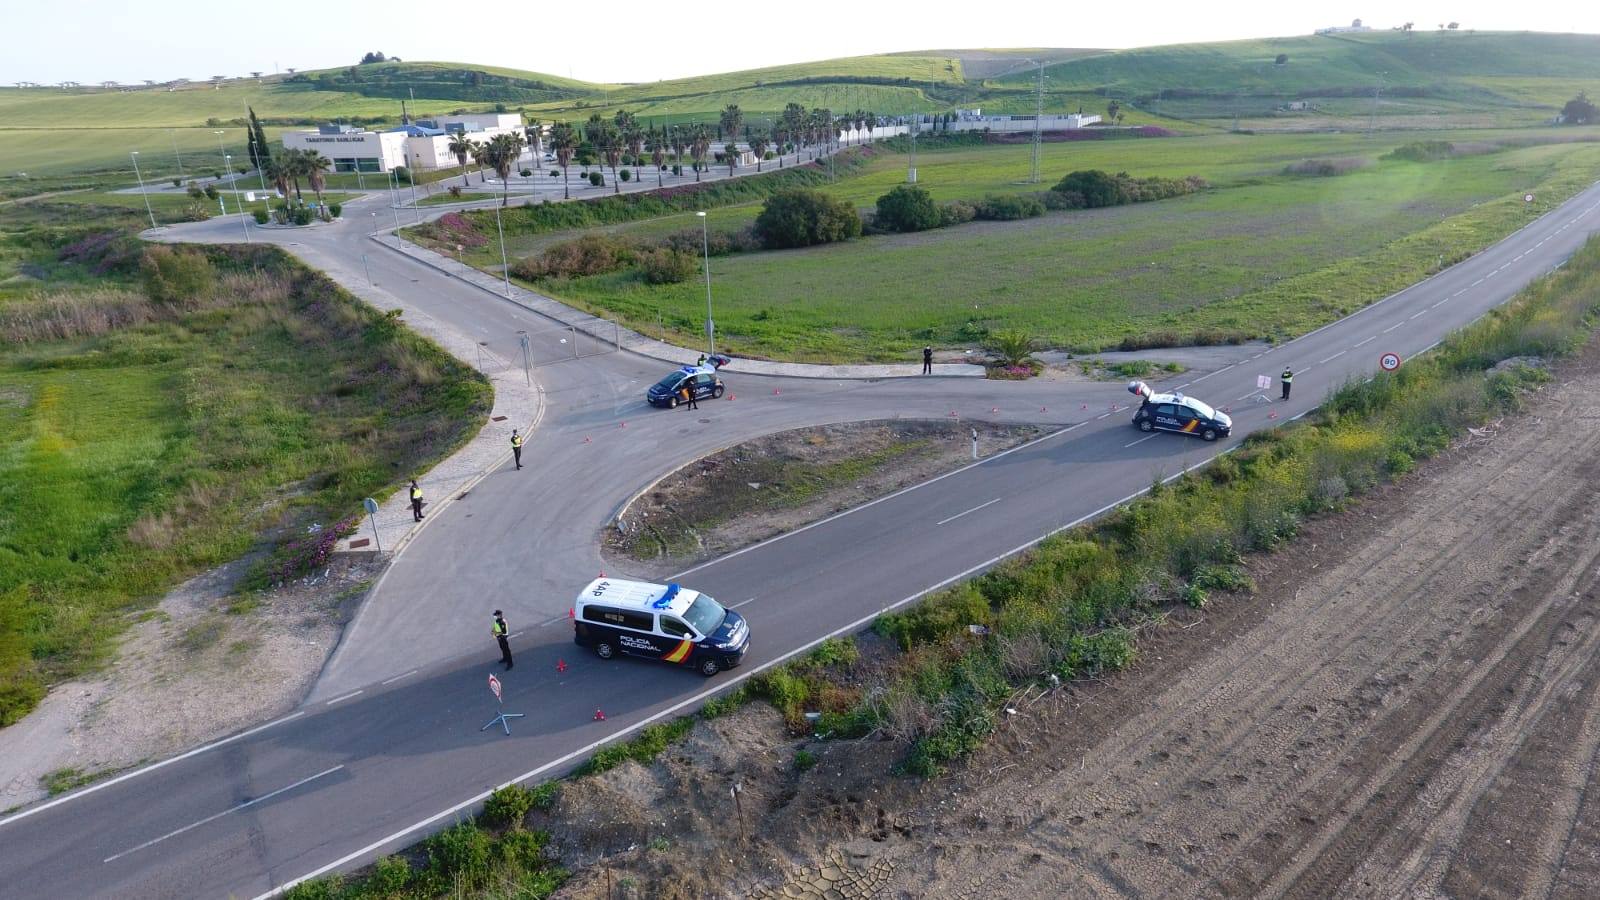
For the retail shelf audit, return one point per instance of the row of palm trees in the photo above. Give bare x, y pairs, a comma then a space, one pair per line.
499, 153
287, 167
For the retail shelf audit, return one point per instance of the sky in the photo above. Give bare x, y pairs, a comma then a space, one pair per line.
98, 40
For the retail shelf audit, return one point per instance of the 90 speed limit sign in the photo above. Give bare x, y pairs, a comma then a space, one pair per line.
1389, 362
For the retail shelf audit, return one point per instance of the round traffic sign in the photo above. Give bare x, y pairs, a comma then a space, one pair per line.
1389, 361
370, 505
1527, 198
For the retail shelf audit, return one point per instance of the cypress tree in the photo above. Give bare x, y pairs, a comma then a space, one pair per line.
260, 152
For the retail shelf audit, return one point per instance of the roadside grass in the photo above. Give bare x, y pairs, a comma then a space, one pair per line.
170, 208
1263, 255
1071, 606
59, 781
151, 441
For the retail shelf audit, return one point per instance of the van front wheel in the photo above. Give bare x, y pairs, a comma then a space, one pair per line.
709, 666
604, 650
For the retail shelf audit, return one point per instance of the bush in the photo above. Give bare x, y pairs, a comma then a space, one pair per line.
803, 218
1422, 151
460, 852
260, 216
507, 806
1324, 168
592, 254
1009, 207
956, 212
334, 209
300, 215
526, 173
665, 266
173, 275
907, 208
211, 192
455, 191
596, 179
715, 243
1098, 189
1013, 346
625, 175
402, 174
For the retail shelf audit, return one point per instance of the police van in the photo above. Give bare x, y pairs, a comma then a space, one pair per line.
665, 622
1175, 412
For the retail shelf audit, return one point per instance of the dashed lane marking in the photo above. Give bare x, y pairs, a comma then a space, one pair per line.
968, 512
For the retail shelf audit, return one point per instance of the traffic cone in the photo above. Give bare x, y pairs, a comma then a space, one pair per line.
1085, 406
733, 396
776, 392
952, 412
561, 665
570, 613
599, 715
994, 409
587, 440
624, 424
1272, 415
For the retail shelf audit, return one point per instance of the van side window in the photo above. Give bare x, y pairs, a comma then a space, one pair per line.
622, 618
675, 628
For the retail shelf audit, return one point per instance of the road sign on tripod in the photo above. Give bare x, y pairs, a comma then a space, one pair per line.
503, 717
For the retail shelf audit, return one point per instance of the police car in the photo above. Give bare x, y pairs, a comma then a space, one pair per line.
702, 380
665, 622
1175, 412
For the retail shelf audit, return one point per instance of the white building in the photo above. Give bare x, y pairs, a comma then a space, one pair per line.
420, 146
1354, 27
1017, 123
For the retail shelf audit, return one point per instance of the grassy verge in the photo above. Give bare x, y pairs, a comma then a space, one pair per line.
143, 440
1069, 607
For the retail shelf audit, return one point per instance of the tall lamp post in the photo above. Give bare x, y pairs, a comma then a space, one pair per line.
134, 155
505, 269
238, 204
221, 151
705, 246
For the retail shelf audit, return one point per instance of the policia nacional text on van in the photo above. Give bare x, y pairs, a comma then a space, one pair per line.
664, 622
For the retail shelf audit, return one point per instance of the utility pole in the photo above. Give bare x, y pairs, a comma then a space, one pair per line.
916, 121
1372, 121
1038, 123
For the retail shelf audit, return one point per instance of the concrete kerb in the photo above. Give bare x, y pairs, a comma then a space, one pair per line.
606, 331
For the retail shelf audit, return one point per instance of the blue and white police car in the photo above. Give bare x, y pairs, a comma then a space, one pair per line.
1176, 412
655, 621
702, 381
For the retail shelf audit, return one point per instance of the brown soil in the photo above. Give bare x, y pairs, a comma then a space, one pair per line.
1407, 706
764, 487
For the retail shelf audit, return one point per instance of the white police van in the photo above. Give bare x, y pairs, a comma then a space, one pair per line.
664, 622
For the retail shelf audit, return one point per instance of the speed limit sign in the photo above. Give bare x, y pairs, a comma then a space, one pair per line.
1389, 361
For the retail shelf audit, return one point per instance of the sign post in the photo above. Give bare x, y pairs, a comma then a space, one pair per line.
371, 506
499, 699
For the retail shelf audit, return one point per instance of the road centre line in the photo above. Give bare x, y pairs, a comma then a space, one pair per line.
1249, 395
1101, 416
1418, 314
1478, 282
1365, 342
398, 677
1492, 274
742, 602
1218, 372
213, 818
1440, 303
1459, 293
345, 697
1393, 327
1336, 355
1139, 441
972, 510
102, 785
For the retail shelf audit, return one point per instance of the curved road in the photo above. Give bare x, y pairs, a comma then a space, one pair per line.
389, 744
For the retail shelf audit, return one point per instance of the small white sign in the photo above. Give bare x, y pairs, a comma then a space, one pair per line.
494, 685
1263, 382
1527, 198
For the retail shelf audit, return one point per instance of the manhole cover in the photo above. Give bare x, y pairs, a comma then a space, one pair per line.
705, 421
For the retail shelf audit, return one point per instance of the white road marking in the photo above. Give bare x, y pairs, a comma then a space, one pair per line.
1365, 342
1139, 441
742, 602
345, 697
1217, 372
972, 510
1440, 303
1102, 415
1478, 282
400, 676
1459, 293
1492, 274
100, 786
1337, 355
1182, 386
213, 818
1249, 395
1418, 315
1393, 327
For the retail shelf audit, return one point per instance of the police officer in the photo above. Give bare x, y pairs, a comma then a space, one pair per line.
416, 501
1286, 379
516, 447
688, 393
501, 634
927, 360
701, 361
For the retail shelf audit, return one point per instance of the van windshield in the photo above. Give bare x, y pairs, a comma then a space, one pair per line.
705, 615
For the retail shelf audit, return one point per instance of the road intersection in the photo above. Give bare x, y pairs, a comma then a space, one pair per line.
387, 746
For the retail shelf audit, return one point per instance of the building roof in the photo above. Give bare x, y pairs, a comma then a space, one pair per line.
639, 595
417, 131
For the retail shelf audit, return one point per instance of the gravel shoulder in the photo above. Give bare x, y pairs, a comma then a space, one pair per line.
1406, 706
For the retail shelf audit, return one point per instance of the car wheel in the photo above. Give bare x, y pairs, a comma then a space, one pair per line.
604, 650
709, 666
1146, 425
672, 402
716, 392
1210, 434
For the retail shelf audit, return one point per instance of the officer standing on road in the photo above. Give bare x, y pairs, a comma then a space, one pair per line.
927, 360
688, 394
501, 634
516, 447
416, 501
1286, 379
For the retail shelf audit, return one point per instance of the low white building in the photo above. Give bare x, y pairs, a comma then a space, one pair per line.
1018, 123
420, 146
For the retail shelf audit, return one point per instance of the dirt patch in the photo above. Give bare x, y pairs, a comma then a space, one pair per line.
1413, 677
202, 664
773, 484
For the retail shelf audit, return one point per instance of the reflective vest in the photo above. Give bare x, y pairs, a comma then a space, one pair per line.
1288, 376
516, 440
499, 628
416, 493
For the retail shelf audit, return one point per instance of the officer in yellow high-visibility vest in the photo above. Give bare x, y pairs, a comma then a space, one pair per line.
516, 447
416, 501
1286, 379
500, 634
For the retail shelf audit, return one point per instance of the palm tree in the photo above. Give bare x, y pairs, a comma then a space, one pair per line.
658, 154
316, 165
732, 121
277, 171
794, 122
564, 141
679, 141
502, 154
699, 146
608, 140
632, 135
296, 161
593, 131
533, 134
463, 147
480, 155
871, 122
780, 136
758, 145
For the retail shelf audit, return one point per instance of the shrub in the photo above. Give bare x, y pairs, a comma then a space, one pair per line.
665, 266
334, 209
1422, 151
526, 173
804, 760
803, 218
174, 275
625, 175
544, 796
402, 174
211, 192
1009, 207
460, 852
1324, 168
1097, 188
300, 215
1013, 346
260, 215
907, 208
177, 182
596, 179
956, 212
591, 254
506, 807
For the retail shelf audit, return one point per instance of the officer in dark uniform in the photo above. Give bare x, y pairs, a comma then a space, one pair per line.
927, 360
1286, 379
516, 447
501, 632
416, 501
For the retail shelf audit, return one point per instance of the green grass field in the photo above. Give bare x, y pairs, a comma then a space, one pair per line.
1263, 253
133, 456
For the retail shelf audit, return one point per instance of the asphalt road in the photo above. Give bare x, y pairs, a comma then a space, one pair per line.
390, 744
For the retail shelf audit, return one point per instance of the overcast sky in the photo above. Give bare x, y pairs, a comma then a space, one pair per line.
98, 40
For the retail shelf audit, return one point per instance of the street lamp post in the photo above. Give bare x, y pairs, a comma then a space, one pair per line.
705, 246
221, 151
239, 204
394, 199
175, 153
505, 268
134, 155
